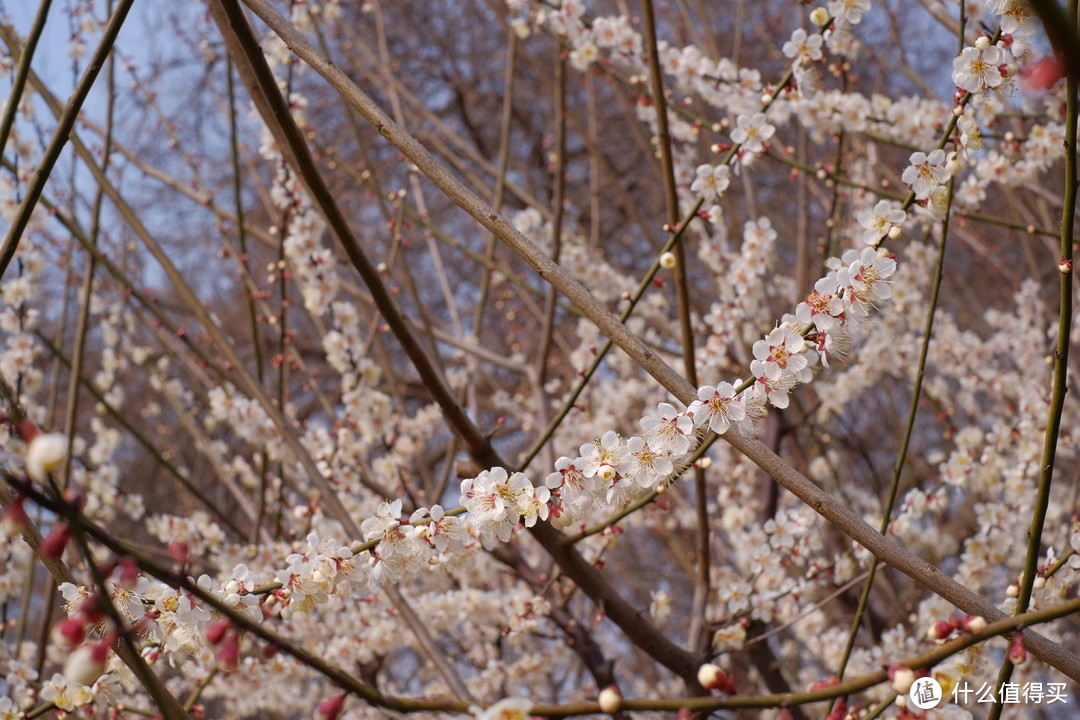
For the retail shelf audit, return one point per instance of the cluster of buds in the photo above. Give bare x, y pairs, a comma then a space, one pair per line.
713, 677
943, 630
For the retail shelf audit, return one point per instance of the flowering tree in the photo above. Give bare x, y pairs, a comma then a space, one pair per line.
552, 359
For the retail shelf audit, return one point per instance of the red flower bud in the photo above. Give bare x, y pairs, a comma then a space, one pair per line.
14, 519
216, 632
330, 708
179, 552
69, 632
1017, 651
27, 431
228, 654
54, 545
940, 630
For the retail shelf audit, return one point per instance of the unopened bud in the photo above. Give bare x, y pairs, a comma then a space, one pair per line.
68, 632
819, 16
610, 700
216, 632
330, 708
982, 43
895, 232
974, 624
1017, 651
940, 630
711, 676
14, 520
901, 678
54, 545
1013, 590
86, 663
561, 520
179, 552
45, 453
228, 654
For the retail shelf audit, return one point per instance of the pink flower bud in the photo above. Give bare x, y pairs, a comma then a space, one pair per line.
330, 708
179, 552
1017, 651
68, 632
710, 676
228, 654
216, 632
54, 545
940, 630
14, 519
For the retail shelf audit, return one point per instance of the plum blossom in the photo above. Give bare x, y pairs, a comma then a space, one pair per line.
867, 274
717, 408
577, 492
803, 48
669, 431
823, 307
67, 695
925, 173
752, 132
711, 182
849, 11
975, 70
878, 222
647, 466
443, 532
780, 353
8, 709
603, 457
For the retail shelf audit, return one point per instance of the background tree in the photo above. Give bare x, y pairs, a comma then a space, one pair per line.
371, 357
